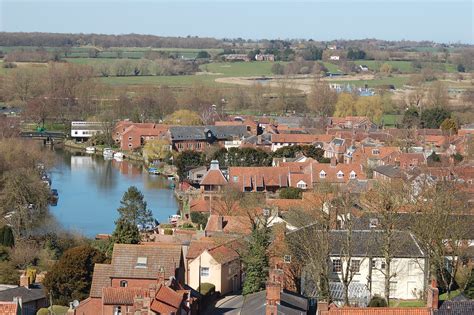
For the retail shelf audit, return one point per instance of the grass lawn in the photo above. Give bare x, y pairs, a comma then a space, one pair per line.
391, 120
408, 303
444, 296
172, 81
402, 66
240, 69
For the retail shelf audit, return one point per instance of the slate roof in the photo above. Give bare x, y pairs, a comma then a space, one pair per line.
290, 304
180, 133
456, 308
34, 293
391, 171
369, 243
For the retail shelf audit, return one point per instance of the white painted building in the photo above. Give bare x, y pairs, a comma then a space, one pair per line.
82, 130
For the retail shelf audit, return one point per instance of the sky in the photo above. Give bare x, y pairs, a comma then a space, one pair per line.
447, 21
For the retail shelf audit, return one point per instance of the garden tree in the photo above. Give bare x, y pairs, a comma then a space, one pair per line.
371, 107
38, 110
125, 233
71, 276
229, 203
255, 259
183, 117
433, 158
322, 99
434, 117
283, 92
158, 149
307, 150
6, 236
199, 218
442, 205
106, 118
438, 95
468, 291
345, 106
133, 208
309, 245
416, 97
290, 193
411, 118
198, 97
386, 200
187, 160
449, 126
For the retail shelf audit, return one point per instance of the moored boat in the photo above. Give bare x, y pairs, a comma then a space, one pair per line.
90, 150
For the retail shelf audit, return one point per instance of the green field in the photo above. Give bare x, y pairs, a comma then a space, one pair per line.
240, 69
172, 81
402, 66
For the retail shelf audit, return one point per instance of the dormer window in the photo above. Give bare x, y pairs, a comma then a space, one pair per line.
375, 151
322, 174
301, 185
340, 174
141, 262
352, 175
373, 223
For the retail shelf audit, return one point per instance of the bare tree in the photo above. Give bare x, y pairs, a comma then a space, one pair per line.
322, 99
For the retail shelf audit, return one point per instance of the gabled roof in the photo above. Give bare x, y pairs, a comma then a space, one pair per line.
231, 224
223, 254
100, 279
34, 293
166, 300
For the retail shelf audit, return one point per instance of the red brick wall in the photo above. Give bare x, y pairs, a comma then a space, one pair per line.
135, 283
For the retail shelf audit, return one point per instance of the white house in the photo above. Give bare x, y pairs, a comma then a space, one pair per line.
368, 265
335, 57
83, 130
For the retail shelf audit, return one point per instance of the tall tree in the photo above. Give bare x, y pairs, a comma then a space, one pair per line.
134, 209
345, 105
322, 99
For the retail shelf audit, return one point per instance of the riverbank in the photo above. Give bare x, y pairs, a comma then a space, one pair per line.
100, 149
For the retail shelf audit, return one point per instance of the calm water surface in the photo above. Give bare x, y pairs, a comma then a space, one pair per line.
90, 189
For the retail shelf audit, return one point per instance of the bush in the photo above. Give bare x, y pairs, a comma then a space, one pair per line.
377, 301
469, 289
166, 226
206, 288
187, 226
57, 310
11, 65
6, 236
291, 193
168, 232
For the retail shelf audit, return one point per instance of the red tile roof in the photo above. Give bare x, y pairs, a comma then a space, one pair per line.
121, 296
223, 254
166, 301
213, 177
231, 224
300, 138
8, 308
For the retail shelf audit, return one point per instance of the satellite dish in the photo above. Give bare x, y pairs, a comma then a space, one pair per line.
75, 303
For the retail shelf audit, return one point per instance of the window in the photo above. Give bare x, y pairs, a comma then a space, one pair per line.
141, 262
355, 265
287, 259
198, 145
352, 175
301, 185
322, 174
373, 223
375, 151
75, 132
393, 288
204, 271
117, 310
374, 264
129, 145
129, 138
382, 265
235, 179
123, 283
340, 174
336, 265
411, 268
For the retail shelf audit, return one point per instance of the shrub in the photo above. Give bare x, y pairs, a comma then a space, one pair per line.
187, 226
168, 232
291, 193
206, 288
57, 310
11, 65
377, 301
199, 218
469, 289
166, 226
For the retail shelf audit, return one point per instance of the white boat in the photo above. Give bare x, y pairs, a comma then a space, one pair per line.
90, 150
108, 152
119, 155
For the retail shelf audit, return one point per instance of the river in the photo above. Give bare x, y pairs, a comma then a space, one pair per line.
90, 189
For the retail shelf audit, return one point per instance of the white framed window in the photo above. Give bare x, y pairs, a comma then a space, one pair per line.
204, 271
340, 174
352, 175
235, 179
301, 185
355, 265
322, 174
393, 288
412, 268
336, 265
374, 264
117, 310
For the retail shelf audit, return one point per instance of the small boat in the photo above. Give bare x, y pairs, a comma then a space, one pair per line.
119, 156
108, 152
153, 171
174, 218
90, 150
53, 200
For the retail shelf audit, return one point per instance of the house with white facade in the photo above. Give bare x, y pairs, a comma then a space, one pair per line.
83, 130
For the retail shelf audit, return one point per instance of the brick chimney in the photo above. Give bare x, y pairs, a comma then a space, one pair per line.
161, 275
24, 280
432, 300
220, 223
273, 298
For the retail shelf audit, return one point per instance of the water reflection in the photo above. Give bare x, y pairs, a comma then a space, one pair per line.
90, 189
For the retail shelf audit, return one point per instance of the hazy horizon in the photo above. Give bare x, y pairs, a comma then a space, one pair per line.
417, 20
